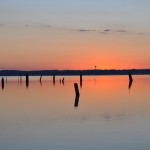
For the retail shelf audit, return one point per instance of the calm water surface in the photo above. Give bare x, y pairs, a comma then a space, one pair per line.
109, 116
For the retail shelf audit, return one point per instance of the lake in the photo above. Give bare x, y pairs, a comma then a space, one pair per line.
109, 115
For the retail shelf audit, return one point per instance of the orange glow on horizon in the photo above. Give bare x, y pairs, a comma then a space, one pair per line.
41, 50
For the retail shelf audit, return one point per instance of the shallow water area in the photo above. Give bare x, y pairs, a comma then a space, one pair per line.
110, 114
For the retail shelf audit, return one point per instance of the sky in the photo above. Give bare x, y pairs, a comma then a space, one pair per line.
74, 34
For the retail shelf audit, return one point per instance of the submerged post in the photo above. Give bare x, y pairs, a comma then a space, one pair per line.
130, 77
130, 80
80, 79
77, 95
63, 80
2, 82
130, 85
40, 79
27, 80
76, 102
54, 79
76, 89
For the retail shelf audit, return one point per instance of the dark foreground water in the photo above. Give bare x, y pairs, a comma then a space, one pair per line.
108, 116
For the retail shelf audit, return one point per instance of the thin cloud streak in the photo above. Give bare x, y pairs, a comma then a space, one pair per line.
101, 31
83, 30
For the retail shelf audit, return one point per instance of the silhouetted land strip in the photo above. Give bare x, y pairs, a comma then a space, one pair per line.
73, 72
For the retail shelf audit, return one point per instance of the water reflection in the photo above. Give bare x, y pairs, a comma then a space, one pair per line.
20, 79
44, 116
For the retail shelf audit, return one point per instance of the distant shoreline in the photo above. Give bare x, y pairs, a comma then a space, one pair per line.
74, 72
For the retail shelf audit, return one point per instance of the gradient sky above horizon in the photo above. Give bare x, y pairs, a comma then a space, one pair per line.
74, 34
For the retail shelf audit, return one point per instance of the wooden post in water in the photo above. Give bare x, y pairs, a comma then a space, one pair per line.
77, 95
76, 102
2, 82
63, 80
40, 79
130, 80
76, 89
81, 79
27, 80
130, 85
130, 77
54, 79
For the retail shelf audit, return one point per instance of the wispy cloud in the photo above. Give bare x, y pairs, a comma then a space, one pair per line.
121, 31
107, 30
83, 30
101, 31
144, 34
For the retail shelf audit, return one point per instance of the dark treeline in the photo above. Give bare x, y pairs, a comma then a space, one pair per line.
74, 72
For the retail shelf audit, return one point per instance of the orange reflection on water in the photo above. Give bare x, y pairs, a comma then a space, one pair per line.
98, 96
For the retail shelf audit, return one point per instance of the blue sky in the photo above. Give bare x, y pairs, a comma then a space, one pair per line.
130, 14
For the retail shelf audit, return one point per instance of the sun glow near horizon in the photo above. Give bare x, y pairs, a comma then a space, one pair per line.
96, 34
